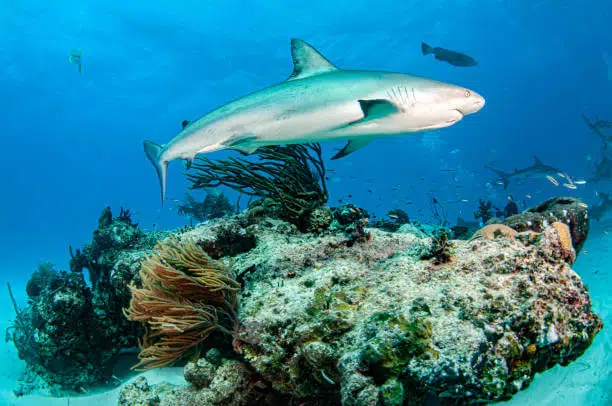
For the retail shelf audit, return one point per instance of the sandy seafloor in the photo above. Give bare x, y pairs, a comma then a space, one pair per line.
587, 381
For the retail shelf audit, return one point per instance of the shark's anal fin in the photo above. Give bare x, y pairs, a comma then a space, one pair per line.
307, 61
352, 146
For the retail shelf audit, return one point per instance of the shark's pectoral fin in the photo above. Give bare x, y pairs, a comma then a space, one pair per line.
377, 108
307, 61
352, 146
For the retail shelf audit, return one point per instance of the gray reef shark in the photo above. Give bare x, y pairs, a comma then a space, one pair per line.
319, 102
599, 211
538, 169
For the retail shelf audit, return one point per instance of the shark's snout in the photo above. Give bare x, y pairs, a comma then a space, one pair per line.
473, 104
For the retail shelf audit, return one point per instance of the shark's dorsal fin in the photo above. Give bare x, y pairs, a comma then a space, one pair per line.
537, 160
307, 61
185, 123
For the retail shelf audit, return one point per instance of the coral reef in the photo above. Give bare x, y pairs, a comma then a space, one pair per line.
213, 206
567, 210
330, 319
395, 219
70, 333
355, 315
215, 381
292, 176
484, 211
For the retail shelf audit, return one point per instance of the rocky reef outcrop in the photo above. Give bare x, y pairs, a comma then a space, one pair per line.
362, 316
73, 328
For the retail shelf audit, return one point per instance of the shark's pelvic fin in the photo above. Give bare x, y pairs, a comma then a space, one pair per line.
153, 152
352, 146
242, 143
307, 61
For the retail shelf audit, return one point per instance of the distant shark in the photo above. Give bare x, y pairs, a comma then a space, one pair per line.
599, 211
538, 169
319, 102
603, 171
597, 127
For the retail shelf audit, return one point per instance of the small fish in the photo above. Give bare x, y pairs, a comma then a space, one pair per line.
588, 157
453, 57
465, 200
370, 191
570, 186
561, 175
350, 196
552, 180
580, 182
447, 170
455, 151
75, 59
528, 196
393, 216
586, 206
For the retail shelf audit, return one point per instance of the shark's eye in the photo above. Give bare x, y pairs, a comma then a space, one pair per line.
467, 93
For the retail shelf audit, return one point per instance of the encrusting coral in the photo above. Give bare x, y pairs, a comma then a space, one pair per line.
493, 231
185, 296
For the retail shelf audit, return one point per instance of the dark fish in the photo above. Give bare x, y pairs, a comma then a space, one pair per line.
446, 55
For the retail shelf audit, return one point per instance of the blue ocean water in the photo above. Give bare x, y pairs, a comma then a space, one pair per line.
72, 143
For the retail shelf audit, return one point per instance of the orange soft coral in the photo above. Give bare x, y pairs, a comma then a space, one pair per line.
185, 296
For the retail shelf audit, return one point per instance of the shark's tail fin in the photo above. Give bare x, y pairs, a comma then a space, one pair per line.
503, 176
426, 49
153, 152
